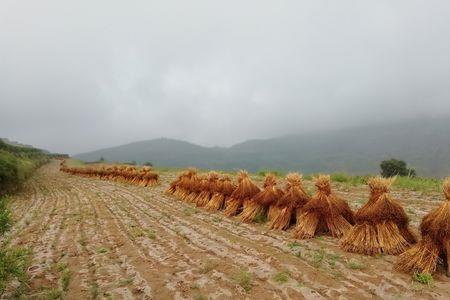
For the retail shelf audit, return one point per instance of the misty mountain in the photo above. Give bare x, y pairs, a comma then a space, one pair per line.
423, 144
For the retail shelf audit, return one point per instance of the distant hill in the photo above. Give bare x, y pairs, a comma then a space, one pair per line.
423, 144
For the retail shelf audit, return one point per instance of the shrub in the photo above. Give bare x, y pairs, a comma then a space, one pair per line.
393, 167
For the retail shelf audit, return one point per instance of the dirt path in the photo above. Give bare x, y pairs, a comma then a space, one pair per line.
98, 239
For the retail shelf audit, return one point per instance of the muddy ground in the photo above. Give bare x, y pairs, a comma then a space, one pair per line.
99, 239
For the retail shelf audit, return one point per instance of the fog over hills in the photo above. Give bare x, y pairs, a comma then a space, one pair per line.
424, 144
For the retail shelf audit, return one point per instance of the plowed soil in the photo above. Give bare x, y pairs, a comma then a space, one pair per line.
119, 241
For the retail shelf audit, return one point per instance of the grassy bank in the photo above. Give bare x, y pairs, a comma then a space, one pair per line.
17, 164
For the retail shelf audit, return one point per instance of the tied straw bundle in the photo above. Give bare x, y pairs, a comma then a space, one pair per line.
223, 192
259, 204
324, 213
284, 211
245, 190
434, 248
381, 224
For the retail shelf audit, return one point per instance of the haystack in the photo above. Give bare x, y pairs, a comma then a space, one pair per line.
184, 186
434, 248
224, 190
245, 191
258, 205
381, 224
174, 185
208, 188
196, 186
285, 210
324, 213
149, 178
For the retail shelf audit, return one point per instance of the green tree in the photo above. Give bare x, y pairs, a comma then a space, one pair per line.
394, 167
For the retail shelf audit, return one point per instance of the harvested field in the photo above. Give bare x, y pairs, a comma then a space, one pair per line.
92, 238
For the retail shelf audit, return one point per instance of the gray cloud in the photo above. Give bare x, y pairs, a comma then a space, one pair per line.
88, 74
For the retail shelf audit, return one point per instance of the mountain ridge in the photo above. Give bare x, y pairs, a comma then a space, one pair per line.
423, 144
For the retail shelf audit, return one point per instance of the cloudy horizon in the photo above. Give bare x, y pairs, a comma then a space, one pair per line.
81, 76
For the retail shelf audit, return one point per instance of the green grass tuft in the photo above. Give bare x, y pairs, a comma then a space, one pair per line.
423, 278
355, 265
244, 279
281, 277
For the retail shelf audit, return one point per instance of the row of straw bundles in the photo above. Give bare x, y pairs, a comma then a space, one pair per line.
141, 177
379, 226
216, 192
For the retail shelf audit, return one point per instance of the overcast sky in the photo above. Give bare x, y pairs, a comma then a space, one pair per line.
81, 75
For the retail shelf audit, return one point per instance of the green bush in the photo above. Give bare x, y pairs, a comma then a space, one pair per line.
394, 167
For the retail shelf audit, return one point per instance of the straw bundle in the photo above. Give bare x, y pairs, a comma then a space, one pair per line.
245, 191
149, 178
208, 189
197, 184
186, 187
224, 190
381, 224
178, 182
259, 204
324, 213
284, 211
434, 248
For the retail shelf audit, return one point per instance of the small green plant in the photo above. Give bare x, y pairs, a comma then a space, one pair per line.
281, 277
355, 265
423, 278
61, 266
94, 290
244, 279
65, 279
293, 245
332, 259
199, 297
102, 250
260, 218
318, 257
